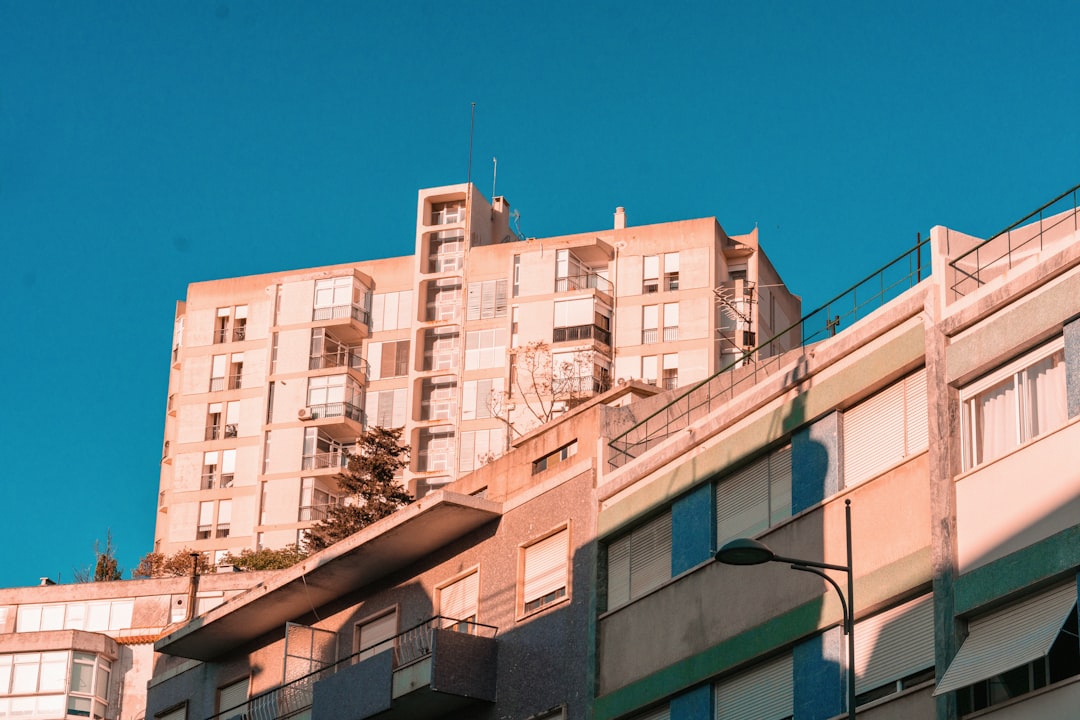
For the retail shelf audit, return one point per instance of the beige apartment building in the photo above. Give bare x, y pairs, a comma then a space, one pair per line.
468, 344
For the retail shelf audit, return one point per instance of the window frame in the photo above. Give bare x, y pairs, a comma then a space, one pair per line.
528, 606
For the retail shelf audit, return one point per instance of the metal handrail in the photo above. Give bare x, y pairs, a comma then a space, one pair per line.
700, 399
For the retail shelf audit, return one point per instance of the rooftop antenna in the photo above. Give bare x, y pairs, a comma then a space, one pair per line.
494, 175
472, 126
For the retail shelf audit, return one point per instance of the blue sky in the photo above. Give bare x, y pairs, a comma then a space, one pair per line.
146, 145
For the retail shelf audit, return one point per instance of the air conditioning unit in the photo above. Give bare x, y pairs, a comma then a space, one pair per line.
304, 413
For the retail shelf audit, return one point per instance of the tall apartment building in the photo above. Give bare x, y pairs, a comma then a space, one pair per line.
468, 344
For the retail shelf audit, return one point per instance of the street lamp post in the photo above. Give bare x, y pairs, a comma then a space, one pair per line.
744, 551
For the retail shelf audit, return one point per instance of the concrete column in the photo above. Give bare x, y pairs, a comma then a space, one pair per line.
693, 704
819, 675
693, 529
1072, 365
815, 462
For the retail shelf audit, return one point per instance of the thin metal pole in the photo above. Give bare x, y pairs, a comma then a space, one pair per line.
850, 619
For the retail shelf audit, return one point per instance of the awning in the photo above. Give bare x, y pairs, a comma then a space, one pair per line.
1009, 638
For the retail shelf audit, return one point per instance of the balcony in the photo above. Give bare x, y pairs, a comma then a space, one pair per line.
350, 323
343, 357
588, 281
324, 459
216, 432
578, 333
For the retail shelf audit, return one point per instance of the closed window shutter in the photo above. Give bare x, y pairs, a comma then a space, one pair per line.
179, 713
650, 555
545, 566
764, 692
915, 409
618, 572
659, 713
779, 485
388, 360
374, 356
742, 502
458, 600
894, 644
397, 419
874, 434
473, 301
232, 696
500, 298
377, 635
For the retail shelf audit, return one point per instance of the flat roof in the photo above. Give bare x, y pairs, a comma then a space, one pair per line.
372, 553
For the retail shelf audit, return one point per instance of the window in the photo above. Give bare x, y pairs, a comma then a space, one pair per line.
443, 213
322, 451
206, 520
239, 332
571, 274
894, 650
545, 571
392, 310
648, 369
486, 300
388, 359
639, 561
458, 602
376, 635
213, 421
334, 396
754, 498
224, 519
340, 297
236, 371
1015, 404
233, 697
517, 275
650, 319
438, 398
48, 683
436, 452
447, 251
479, 446
93, 616
671, 371
650, 276
554, 458
217, 373
442, 348
221, 325
485, 348
329, 352
386, 408
236, 318
482, 398
671, 322
1015, 650
764, 692
179, 713
671, 271
885, 429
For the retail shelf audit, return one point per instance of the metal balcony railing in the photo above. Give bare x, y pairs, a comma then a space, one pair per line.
581, 332
1020, 240
338, 312
338, 409
345, 357
326, 459
842, 311
213, 432
589, 281
294, 697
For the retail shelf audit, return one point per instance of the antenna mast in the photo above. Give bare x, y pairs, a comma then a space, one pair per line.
472, 126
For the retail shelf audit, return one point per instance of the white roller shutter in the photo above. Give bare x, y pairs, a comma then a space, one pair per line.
894, 644
458, 600
545, 566
885, 428
376, 635
764, 692
639, 561
1009, 638
233, 696
742, 502
179, 713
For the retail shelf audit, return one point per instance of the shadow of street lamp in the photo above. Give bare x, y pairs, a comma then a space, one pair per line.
745, 551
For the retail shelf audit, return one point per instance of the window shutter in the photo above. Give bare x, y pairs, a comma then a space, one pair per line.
232, 696
400, 398
376, 635
1008, 638
457, 601
874, 434
224, 512
894, 644
545, 566
378, 307
467, 461
232, 413
659, 713
388, 361
206, 513
473, 301
374, 357
228, 461
742, 502
764, 692
779, 485
650, 555
618, 572
915, 411
671, 262
500, 298
651, 269
179, 713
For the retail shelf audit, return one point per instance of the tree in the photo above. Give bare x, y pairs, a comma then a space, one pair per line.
106, 566
266, 559
179, 564
547, 381
371, 488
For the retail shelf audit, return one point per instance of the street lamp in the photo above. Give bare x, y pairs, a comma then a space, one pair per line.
744, 551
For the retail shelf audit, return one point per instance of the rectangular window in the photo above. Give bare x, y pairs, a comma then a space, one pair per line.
217, 373
479, 446
458, 603
671, 322
236, 371
554, 458
486, 300
485, 348
224, 519
436, 452
206, 520
1017, 403
671, 271
517, 275
754, 498
233, 697
376, 635
649, 369
340, 297
392, 359
482, 398
885, 428
179, 713
387, 408
764, 692
438, 398
650, 274
639, 561
671, 371
442, 348
650, 320
894, 650
545, 571
392, 310
221, 325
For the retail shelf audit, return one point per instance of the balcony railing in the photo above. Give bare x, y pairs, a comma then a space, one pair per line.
313, 513
217, 383
215, 479
1030, 234
338, 409
409, 646
581, 332
325, 459
338, 312
844, 310
345, 357
649, 336
671, 334
213, 432
589, 281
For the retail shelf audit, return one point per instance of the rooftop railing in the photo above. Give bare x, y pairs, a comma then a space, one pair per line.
1022, 239
753, 365
294, 697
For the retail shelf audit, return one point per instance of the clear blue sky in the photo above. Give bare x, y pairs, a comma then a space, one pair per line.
145, 145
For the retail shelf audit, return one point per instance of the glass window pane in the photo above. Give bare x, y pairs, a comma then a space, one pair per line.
24, 676
97, 616
52, 617
1045, 401
101, 687
79, 706
82, 677
995, 421
53, 672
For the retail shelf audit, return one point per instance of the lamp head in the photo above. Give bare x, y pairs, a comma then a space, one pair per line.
744, 551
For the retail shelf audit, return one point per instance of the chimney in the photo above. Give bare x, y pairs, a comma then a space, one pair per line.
620, 218
46, 581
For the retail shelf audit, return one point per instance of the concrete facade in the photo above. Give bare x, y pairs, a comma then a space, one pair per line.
274, 376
